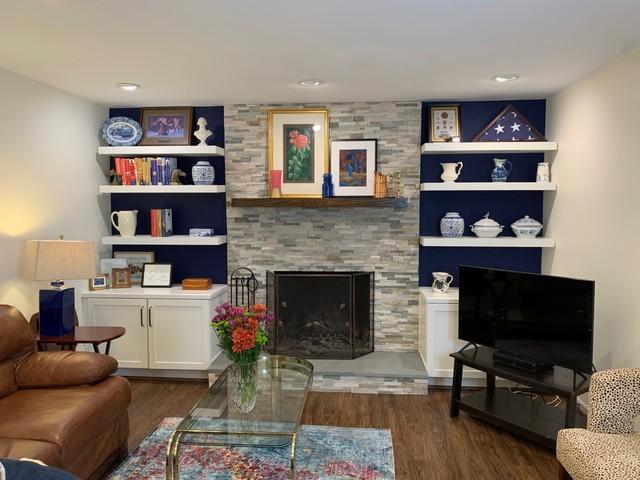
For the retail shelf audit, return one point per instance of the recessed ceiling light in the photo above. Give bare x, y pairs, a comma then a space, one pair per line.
312, 82
130, 87
505, 77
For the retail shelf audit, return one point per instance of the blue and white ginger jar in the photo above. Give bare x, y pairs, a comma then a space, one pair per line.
203, 173
452, 225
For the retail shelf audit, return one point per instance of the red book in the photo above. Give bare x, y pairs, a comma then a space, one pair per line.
118, 164
153, 223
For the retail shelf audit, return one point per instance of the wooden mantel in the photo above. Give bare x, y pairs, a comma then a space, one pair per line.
334, 202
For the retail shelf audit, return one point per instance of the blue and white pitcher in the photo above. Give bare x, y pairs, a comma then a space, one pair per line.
501, 170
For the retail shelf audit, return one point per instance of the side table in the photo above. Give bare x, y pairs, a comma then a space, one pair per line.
83, 335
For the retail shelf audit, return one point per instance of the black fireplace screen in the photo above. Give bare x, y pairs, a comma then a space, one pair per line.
321, 314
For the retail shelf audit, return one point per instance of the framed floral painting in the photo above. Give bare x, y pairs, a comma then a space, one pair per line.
299, 147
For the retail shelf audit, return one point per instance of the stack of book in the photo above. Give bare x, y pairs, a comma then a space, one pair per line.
161, 222
145, 171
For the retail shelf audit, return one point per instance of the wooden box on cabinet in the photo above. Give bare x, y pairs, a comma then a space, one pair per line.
438, 333
167, 329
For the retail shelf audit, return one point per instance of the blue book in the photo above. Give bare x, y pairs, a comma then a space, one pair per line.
154, 171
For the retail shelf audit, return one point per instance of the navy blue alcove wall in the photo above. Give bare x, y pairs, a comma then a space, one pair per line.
505, 206
189, 210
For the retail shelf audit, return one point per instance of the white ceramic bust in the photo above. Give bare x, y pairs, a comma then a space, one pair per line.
202, 133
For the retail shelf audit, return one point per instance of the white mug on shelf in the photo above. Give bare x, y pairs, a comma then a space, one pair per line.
441, 281
127, 222
542, 174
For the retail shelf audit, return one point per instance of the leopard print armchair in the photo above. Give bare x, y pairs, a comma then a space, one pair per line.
608, 449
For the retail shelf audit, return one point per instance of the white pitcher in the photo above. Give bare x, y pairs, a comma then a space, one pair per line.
127, 222
450, 171
441, 281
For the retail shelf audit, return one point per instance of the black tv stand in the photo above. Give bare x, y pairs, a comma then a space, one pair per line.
513, 360
532, 419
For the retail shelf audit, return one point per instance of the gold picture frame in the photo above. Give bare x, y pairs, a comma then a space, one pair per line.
443, 128
100, 282
298, 145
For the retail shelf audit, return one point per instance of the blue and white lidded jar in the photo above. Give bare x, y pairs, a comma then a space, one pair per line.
203, 173
452, 225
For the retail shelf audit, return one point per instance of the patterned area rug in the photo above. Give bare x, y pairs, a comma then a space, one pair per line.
323, 453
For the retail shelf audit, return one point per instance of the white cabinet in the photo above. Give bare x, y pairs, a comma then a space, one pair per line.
130, 313
438, 333
166, 329
179, 334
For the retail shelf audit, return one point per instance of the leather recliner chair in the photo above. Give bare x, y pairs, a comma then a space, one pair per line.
63, 408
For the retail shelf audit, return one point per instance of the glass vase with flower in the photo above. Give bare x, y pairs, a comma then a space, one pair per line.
242, 332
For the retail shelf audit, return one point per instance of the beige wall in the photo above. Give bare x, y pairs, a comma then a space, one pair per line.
49, 176
595, 214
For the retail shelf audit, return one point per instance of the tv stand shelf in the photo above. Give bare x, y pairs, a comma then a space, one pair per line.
532, 419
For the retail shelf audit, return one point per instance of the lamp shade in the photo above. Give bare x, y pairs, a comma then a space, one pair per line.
60, 260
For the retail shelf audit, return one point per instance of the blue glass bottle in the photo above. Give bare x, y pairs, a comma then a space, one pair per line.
327, 185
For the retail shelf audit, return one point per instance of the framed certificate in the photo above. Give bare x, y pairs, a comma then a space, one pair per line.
445, 123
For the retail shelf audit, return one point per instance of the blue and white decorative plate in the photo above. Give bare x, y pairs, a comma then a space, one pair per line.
121, 132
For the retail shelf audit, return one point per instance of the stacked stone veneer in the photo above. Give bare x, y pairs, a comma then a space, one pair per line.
384, 240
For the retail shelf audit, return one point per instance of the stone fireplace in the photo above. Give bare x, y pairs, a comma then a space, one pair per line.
321, 314
384, 240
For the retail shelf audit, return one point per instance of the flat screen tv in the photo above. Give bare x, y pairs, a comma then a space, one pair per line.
535, 317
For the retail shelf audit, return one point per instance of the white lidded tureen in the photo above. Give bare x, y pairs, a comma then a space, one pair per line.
486, 227
526, 227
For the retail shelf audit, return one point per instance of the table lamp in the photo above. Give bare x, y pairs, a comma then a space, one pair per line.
58, 260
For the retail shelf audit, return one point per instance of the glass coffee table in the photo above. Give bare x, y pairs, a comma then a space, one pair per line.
281, 392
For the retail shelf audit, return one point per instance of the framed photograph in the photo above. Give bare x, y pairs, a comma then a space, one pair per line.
108, 264
299, 147
135, 262
353, 167
99, 283
156, 275
166, 126
445, 123
120, 278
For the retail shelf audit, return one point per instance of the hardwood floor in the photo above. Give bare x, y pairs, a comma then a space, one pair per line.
427, 444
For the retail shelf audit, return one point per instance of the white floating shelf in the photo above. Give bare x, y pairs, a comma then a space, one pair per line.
488, 147
163, 150
172, 240
494, 186
162, 189
538, 242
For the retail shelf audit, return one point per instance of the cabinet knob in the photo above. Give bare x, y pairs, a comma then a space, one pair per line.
141, 315
150, 323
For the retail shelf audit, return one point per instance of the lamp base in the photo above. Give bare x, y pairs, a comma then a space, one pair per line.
57, 312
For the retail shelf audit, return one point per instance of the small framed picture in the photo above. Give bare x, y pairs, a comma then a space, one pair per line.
120, 278
99, 283
156, 275
353, 166
445, 123
166, 126
135, 262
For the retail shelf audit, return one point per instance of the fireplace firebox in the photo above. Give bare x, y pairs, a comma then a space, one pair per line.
321, 314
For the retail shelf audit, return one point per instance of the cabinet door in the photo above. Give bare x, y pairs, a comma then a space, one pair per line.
131, 349
442, 339
179, 334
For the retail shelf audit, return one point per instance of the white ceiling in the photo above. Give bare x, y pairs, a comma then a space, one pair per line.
249, 51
